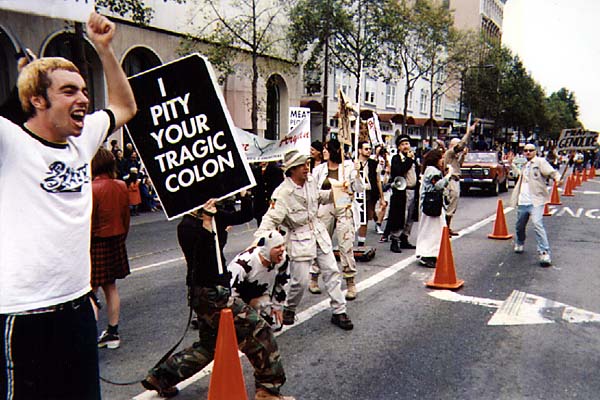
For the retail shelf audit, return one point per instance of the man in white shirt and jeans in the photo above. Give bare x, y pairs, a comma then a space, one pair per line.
48, 343
529, 196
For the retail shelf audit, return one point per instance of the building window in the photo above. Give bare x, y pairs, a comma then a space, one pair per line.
409, 107
370, 87
138, 60
390, 95
8, 70
438, 105
340, 78
424, 100
273, 110
440, 74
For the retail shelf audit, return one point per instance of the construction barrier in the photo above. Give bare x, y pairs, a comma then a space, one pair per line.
227, 379
444, 276
500, 230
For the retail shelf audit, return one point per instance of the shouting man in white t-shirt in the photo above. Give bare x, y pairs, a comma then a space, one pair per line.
47, 326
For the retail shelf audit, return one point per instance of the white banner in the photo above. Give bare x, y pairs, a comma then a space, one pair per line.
260, 149
74, 10
297, 115
374, 129
577, 139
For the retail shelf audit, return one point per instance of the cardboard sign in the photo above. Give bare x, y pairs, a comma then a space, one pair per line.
259, 149
75, 10
577, 139
185, 137
374, 129
297, 115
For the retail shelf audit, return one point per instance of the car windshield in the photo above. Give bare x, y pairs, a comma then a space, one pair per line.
482, 157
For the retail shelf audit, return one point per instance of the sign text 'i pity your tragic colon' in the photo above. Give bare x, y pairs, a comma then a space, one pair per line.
192, 161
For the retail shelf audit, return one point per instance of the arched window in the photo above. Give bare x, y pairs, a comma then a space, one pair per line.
8, 66
273, 109
139, 59
82, 54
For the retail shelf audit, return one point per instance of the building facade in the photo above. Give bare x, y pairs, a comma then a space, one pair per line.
141, 48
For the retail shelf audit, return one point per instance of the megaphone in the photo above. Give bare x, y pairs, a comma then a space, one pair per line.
399, 183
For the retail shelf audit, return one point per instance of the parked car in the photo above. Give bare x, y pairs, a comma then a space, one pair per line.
515, 168
484, 170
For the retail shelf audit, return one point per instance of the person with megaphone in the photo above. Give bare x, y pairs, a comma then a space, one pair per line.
403, 176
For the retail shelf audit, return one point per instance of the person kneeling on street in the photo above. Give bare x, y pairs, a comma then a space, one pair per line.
209, 293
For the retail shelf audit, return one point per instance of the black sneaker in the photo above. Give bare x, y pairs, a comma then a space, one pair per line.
383, 239
289, 317
343, 321
405, 244
109, 340
428, 262
152, 383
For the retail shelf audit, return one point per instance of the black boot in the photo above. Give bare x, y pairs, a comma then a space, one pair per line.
395, 246
405, 244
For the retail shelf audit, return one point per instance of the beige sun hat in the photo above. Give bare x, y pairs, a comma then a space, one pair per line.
293, 158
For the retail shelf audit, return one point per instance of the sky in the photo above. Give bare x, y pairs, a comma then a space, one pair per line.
559, 44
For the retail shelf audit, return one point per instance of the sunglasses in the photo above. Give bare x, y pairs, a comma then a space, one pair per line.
528, 150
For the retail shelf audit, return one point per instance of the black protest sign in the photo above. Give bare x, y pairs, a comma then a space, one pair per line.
577, 139
184, 135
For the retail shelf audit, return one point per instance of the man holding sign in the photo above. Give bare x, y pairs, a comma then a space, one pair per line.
185, 136
47, 326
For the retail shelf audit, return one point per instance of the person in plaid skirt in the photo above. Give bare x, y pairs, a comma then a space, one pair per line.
110, 225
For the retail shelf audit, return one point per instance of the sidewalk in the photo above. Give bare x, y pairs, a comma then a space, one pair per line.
148, 217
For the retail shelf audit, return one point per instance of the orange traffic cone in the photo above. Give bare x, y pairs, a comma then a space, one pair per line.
227, 380
444, 276
579, 179
547, 210
593, 171
584, 177
500, 230
568, 192
554, 197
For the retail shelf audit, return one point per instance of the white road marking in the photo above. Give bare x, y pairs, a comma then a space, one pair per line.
158, 264
448, 295
522, 308
321, 306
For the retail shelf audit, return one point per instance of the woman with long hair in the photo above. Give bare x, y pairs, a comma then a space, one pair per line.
431, 228
338, 217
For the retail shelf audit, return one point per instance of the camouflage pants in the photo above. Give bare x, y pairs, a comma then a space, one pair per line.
254, 335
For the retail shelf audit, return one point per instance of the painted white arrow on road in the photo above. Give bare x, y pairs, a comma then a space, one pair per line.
522, 308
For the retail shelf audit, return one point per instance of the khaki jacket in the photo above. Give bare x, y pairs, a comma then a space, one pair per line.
539, 171
295, 209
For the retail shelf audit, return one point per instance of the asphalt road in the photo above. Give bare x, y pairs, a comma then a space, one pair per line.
514, 331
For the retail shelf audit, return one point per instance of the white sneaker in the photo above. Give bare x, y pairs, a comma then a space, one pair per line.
518, 248
379, 230
545, 259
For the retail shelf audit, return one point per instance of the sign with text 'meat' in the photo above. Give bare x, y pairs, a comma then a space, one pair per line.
184, 135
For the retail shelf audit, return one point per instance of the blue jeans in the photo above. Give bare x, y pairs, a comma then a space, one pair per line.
537, 215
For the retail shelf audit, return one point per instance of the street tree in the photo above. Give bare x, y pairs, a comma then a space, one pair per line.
312, 24
439, 44
356, 47
560, 106
250, 26
405, 30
